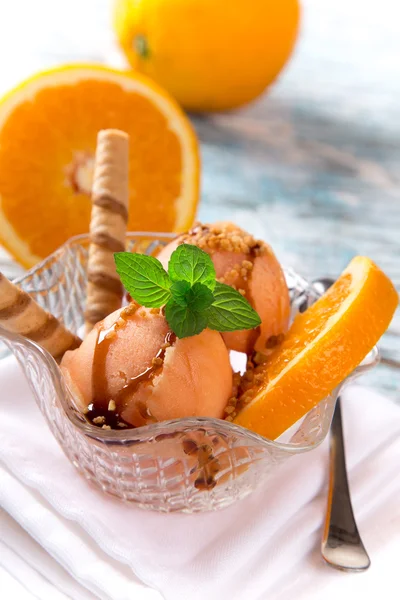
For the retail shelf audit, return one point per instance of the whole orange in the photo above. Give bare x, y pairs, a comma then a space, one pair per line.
211, 55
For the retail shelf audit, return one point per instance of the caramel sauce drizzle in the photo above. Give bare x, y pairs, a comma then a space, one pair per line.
147, 376
98, 411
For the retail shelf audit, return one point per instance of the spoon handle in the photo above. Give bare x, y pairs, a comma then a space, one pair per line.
342, 546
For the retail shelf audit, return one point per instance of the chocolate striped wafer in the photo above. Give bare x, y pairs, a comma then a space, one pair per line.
110, 195
21, 314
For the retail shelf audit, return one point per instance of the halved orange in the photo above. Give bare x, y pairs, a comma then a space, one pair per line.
323, 346
48, 129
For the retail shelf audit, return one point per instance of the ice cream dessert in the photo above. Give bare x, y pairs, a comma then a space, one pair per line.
250, 266
171, 359
163, 356
166, 355
132, 370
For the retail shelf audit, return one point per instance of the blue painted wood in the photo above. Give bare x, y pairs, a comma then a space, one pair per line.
319, 191
313, 167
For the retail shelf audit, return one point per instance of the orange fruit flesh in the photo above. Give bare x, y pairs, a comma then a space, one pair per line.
47, 146
323, 346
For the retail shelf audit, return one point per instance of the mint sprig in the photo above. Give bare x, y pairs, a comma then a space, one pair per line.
183, 320
192, 297
144, 278
199, 297
179, 291
189, 263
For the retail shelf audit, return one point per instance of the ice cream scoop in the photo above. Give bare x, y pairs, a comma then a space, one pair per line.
132, 370
250, 266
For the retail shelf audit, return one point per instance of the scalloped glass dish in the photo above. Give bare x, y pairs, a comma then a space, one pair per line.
187, 465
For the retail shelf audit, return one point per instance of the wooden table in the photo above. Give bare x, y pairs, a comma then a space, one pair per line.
313, 167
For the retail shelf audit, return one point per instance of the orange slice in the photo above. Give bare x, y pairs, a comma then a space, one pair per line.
323, 346
48, 129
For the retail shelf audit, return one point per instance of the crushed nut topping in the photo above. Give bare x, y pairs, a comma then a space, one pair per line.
224, 236
245, 387
130, 309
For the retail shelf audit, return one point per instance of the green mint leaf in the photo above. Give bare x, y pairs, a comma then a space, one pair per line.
184, 321
199, 297
144, 278
179, 290
230, 311
189, 263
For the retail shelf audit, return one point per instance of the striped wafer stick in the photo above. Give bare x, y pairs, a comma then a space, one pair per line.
20, 313
110, 194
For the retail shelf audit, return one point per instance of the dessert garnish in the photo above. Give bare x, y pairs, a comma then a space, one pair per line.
20, 313
192, 297
211, 290
110, 197
322, 347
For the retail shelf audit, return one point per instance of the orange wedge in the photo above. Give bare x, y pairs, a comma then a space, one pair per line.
323, 346
48, 129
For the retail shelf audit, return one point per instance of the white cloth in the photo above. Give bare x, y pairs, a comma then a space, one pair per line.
29, 564
266, 546
11, 588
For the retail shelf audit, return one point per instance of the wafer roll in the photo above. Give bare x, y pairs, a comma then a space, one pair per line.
110, 195
21, 314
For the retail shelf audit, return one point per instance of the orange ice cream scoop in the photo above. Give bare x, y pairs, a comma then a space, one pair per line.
250, 266
132, 370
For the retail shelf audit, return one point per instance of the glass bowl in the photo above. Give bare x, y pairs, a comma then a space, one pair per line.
186, 465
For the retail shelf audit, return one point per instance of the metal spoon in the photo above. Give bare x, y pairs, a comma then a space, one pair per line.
341, 546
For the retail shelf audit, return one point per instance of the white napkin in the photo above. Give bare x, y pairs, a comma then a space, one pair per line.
32, 567
266, 546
